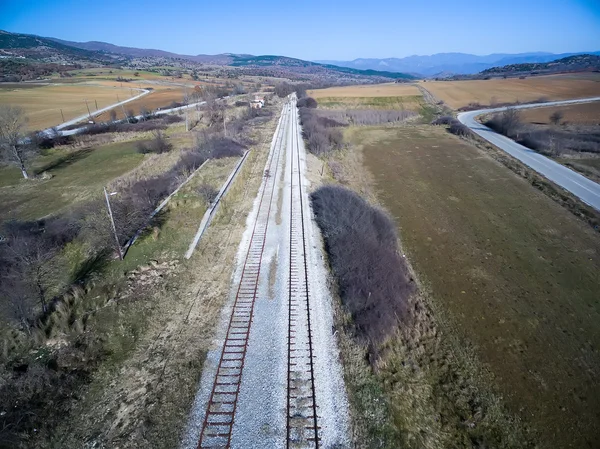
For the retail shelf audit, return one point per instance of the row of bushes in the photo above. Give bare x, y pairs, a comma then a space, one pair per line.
474, 106
454, 126
321, 133
361, 242
151, 123
321, 127
552, 141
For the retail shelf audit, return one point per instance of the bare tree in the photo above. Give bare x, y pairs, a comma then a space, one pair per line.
510, 122
12, 135
556, 117
145, 112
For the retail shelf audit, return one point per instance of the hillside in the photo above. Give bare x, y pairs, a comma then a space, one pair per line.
145, 52
47, 50
29, 57
577, 63
302, 66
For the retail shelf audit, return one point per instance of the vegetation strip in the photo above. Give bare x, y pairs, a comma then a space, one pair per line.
213, 206
161, 206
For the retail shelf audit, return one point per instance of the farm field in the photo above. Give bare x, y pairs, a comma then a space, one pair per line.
376, 96
42, 104
457, 94
161, 97
512, 273
579, 114
76, 175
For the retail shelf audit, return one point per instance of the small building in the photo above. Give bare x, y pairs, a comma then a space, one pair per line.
257, 103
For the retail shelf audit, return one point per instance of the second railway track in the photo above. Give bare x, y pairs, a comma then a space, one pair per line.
273, 379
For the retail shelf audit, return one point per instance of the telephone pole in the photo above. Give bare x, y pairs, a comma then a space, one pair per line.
112, 221
96, 101
62, 115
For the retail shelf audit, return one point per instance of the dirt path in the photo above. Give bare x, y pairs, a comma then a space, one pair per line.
274, 362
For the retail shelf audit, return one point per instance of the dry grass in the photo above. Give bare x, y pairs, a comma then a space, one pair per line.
42, 105
509, 273
580, 114
369, 90
378, 96
553, 87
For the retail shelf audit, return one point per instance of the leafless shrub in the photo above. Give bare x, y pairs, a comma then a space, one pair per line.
337, 171
284, 89
12, 133
556, 117
307, 102
102, 128
551, 141
376, 116
168, 119
207, 192
507, 122
455, 127
459, 129
238, 89
361, 243
444, 120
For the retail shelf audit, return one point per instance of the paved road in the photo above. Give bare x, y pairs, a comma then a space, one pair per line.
71, 132
588, 191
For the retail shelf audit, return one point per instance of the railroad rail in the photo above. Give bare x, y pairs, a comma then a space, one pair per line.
302, 427
221, 408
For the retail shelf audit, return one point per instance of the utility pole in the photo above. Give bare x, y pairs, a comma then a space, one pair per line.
112, 221
185, 102
123, 108
62, 115
88, 108
96, 101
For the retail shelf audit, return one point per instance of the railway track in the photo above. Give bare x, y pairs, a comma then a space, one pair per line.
287, 416
302, 426
221, 408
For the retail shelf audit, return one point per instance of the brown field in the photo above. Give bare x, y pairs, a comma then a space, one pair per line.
580, 114
512, 274
42, 104
375, 96
160, 98
457, 94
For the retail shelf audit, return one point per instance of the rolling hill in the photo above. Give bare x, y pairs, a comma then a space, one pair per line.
577, 63
40, 48
52, 50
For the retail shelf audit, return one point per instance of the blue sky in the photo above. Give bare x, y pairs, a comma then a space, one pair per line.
311, 29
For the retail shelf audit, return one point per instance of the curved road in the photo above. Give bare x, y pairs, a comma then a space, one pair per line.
585, 189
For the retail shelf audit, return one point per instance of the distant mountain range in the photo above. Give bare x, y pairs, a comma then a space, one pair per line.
447, 64
19, 52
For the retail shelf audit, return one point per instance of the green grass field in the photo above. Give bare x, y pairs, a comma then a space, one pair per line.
76, 175
515, 276
412, 103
